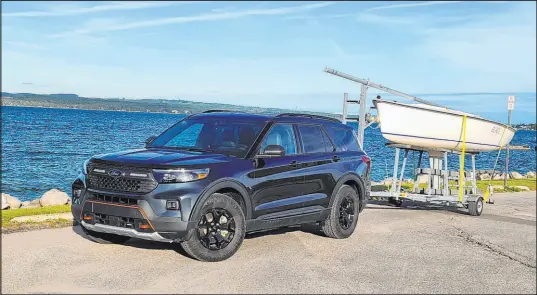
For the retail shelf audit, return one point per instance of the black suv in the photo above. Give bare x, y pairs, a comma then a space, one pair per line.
214, 176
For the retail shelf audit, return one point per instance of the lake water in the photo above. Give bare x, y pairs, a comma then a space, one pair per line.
45, 148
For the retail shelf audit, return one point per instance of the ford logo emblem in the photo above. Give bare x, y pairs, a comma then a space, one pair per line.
115, 173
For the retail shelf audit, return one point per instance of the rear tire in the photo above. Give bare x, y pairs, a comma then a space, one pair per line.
219, 232
104, 238
343, 217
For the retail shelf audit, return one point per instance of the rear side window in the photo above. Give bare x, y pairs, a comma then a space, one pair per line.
314, 140
343, 138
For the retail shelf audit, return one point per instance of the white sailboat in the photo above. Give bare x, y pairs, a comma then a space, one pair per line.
429, 126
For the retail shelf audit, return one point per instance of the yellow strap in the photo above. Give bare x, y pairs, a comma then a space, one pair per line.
461, 169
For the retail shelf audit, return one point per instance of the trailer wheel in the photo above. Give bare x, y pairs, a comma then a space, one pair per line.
476, 208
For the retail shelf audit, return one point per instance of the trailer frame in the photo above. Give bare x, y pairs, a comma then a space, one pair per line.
438, 177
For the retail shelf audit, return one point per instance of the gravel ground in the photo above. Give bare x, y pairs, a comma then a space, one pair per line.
394, 250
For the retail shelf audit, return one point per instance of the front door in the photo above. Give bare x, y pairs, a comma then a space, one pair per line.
279, 180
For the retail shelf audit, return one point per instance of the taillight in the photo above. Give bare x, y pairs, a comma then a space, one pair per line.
367, 161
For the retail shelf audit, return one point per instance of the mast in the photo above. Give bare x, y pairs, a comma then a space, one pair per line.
380, 87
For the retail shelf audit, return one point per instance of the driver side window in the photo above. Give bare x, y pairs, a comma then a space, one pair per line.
282, 135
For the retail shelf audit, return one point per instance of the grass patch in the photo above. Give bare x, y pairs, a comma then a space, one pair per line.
12, 227
483, 184
9, 226
511, 183
9, 214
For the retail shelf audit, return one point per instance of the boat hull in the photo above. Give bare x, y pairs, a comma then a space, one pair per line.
437, 129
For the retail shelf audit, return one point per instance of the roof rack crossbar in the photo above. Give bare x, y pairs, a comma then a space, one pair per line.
308, 116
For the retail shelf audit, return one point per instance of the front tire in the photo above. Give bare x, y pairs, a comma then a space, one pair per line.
343, 215
220, 230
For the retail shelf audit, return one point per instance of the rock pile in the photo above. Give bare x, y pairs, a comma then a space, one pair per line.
50, 198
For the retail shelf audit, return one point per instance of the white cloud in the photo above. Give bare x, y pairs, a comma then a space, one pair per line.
117, 5
426, 3
498, 47
198, 18
415, 4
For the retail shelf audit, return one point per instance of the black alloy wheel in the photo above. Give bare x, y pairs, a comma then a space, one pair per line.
346, 213
216, 229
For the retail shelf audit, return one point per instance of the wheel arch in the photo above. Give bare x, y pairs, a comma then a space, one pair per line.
353, 180
227, 186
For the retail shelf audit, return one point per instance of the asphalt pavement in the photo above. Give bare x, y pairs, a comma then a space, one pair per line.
394, 250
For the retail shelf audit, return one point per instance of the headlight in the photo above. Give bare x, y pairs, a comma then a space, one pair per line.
85, 166
179, 175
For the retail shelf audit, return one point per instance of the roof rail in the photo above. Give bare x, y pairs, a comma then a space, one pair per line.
308, 116
221, 111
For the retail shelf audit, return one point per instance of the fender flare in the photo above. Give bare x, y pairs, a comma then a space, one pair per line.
218, 185
346, 177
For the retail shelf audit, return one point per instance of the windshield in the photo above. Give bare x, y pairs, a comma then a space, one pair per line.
232, 138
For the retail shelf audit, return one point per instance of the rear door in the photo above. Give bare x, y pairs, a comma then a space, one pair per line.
319, 163
347, 150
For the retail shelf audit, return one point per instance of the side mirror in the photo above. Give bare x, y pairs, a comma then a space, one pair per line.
149, 140
274, 150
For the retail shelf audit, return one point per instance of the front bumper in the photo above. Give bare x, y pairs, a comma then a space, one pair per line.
154, 236
110, 216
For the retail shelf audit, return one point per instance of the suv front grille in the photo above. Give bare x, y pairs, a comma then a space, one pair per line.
131, 179
121, 200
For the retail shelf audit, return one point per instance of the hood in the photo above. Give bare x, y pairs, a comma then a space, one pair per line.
165, 157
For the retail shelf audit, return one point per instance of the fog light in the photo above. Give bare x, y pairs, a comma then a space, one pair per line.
76, 196
144, 226
87, 217
172, 205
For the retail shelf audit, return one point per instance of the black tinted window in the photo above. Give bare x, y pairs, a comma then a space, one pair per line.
314, 140
229, 137
343, 138
282, 135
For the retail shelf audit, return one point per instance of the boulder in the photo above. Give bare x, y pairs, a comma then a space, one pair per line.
33, 204
497, 177
530, 174
54, 197
25, 203
484, 176
503, 176
516, 175
5, 204
13, 202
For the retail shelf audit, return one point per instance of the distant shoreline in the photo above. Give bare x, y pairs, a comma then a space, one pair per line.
157, 106
67, 108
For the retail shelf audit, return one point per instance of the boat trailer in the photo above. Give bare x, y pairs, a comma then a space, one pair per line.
438, 178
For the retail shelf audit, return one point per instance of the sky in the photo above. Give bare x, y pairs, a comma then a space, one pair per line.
465, 55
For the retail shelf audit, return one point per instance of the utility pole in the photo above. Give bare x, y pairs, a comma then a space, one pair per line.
510, 107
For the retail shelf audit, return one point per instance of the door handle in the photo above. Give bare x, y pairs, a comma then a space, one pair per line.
336, 158
294, 164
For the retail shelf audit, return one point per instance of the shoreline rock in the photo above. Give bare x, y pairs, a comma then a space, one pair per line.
10, 202
54, 197
49, 198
